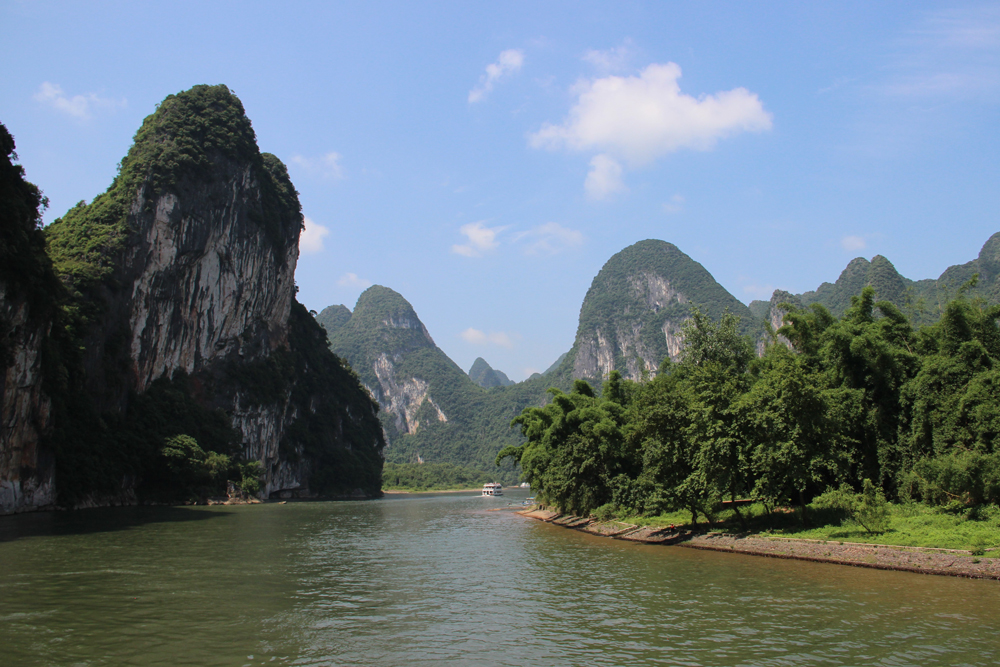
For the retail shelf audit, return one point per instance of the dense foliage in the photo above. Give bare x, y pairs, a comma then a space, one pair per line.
863, 401
25, 268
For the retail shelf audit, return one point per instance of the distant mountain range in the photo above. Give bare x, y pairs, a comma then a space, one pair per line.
630, 320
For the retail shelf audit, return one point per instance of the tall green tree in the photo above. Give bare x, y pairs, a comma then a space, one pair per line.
794, 429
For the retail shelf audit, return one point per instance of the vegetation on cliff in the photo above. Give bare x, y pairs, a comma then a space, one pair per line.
25, 267
865, 400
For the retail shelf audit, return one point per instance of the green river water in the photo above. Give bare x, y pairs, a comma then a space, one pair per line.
438, 579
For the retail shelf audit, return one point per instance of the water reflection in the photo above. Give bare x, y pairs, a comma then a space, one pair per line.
439, 579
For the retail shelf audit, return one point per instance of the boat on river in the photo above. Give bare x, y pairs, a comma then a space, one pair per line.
492, 489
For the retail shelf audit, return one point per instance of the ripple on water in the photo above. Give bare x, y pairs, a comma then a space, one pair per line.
427, 580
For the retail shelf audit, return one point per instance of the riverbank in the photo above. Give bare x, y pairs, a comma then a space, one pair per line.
922, 560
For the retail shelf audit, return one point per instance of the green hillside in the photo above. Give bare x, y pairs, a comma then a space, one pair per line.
430, 407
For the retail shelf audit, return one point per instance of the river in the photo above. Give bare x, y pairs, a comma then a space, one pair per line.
440, 580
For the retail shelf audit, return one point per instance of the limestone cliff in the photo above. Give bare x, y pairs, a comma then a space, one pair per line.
185, 268
634, 312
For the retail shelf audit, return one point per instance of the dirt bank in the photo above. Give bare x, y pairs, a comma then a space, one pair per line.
948, 562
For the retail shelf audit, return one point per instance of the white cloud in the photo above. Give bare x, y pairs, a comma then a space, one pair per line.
311, 238
611, 60
81, 107
604, 178
481, 239
509, 62
675, 205
477, 337
549, 239
637, 119
352, 280
853, 243
327, 166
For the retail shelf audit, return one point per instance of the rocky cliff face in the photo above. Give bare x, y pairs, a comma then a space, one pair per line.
26, 472
188, 267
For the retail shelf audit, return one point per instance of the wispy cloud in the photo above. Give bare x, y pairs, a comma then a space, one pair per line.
949, 53
637, 119
477, 337
549, 239
675, 205
480, 239
853, 243
311, 238
326, 166
81, 107
509, 62
352, 280
610, 60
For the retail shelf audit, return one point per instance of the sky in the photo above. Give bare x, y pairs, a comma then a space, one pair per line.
485, 160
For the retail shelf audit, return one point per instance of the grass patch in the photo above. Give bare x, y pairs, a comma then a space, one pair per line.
912, 525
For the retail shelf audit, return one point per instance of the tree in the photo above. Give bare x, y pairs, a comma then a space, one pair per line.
574, 449
796, 437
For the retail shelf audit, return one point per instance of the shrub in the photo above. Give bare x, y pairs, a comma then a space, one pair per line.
869, 509
606, 512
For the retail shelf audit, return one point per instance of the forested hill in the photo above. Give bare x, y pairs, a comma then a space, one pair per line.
922, 301
633, 313
486, 376
630, 321
431, 409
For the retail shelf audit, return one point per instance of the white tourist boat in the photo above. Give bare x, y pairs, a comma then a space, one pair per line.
493, 489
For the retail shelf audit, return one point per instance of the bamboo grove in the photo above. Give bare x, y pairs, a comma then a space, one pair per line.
865, 400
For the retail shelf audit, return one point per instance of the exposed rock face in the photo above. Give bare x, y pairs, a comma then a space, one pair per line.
26, 471
394, 335
402, 397
633, 315
202, 284
235, 286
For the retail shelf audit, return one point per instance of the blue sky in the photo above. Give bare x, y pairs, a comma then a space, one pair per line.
486, 159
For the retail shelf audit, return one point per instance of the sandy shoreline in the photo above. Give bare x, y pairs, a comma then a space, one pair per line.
948, 562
